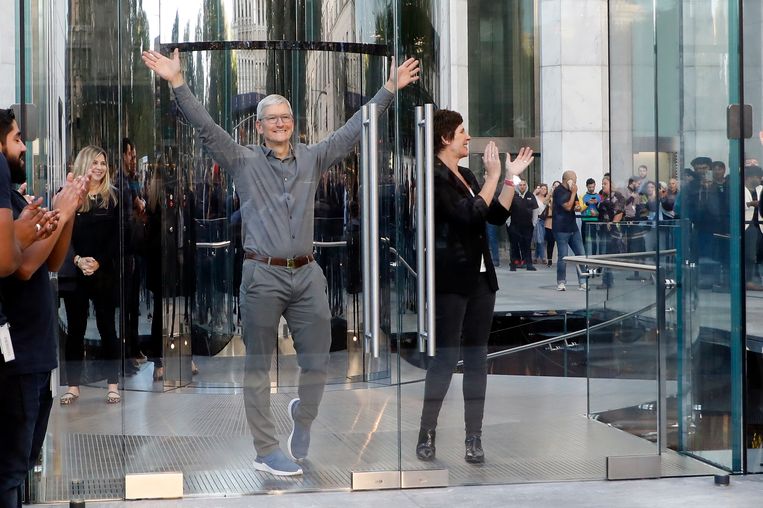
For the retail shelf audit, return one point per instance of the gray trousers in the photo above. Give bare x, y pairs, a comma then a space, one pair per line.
299, 295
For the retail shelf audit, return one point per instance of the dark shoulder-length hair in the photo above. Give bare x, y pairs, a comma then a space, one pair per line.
445, 124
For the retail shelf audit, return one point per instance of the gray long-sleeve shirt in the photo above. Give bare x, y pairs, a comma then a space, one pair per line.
277, 195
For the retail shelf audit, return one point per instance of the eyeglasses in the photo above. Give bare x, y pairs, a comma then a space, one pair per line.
275, 118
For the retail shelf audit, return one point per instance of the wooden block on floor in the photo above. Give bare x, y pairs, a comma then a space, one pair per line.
154, 486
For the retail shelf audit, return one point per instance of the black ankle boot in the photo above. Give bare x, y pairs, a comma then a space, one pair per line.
474, 453
425, 448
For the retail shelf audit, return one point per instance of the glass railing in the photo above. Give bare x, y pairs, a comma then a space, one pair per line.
631, 363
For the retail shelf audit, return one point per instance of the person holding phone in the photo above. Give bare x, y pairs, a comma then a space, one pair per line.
565, 228
591, 200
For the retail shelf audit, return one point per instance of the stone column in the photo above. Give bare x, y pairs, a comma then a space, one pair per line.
8, 53
454, 58
574, 102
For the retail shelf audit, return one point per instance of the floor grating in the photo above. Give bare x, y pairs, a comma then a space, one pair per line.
533, 431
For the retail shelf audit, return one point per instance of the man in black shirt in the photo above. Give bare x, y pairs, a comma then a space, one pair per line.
566, 232
521, 227
29, 354
132, 219
35, 223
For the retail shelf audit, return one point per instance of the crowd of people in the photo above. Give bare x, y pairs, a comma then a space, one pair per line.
611, 221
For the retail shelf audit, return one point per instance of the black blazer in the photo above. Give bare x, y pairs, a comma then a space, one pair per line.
460, 231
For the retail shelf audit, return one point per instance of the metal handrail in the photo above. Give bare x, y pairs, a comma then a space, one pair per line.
593, 260
565, 336
343, 243
340, 243
648, 253
605, 263
405, 264
213, 245
605, 260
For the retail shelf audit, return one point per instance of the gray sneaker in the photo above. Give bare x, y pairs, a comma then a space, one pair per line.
278, 464
299, 439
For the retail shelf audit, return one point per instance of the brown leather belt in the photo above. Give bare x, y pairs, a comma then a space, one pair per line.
296, 262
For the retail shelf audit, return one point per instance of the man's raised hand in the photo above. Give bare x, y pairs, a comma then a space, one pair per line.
166, 68
406, 74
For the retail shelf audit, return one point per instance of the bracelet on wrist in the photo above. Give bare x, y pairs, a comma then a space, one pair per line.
76, 261
508, 182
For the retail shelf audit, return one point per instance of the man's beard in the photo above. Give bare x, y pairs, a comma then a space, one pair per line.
18, 173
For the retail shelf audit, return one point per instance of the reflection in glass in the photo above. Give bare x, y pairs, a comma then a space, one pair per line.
665, 119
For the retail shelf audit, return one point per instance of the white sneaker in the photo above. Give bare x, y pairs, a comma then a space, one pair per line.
583, 287
561, 287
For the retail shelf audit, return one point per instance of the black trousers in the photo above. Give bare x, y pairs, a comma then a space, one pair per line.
752, 239
550, 241
25, 402
463, 327
131, 302
155, 345
521, 240
77, 304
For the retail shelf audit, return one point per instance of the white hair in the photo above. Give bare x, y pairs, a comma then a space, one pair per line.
271, 100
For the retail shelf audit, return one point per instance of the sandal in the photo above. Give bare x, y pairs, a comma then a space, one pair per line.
68, 398
113, 398
158, 373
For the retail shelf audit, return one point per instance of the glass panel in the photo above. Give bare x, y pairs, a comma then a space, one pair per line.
181, 245
752, 92
670, 120
196, 206
709, 82
636, 358
83, 112
623, 388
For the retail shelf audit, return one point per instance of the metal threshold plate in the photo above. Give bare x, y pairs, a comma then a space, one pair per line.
375, 480
634, 467
424, 478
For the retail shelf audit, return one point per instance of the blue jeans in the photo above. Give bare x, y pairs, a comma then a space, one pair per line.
563, 240
492, 240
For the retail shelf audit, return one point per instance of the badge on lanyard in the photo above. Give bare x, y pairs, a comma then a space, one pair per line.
6, 346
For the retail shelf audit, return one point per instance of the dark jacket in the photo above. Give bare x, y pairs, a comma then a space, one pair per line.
522, 211
460, 232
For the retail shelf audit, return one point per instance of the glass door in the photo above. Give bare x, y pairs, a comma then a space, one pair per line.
751, 129
184, 408
676, 113
332, 349
710, 161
